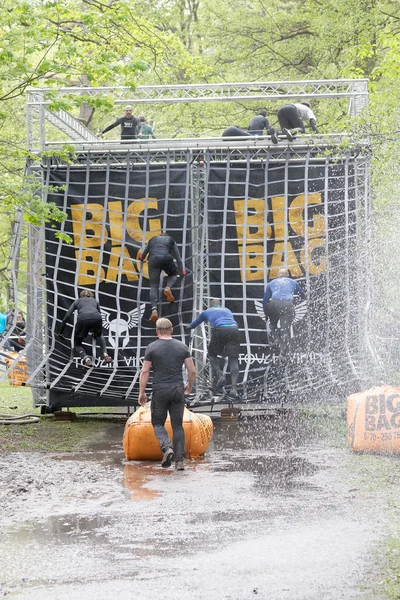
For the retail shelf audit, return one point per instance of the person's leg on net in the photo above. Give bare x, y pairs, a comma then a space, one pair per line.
97, 328
216, 349
159, 411
79, 350
232, 351
286, 319
82, 329
274, 316
176, 408
172, 275
154, 279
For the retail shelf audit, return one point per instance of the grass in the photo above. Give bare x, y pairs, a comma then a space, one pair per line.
49, 435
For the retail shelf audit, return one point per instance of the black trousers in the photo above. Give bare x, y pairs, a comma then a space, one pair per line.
170, 400
156, 265
82, 330
281, 311
289, 118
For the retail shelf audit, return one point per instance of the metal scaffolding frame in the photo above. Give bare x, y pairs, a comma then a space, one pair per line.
201, 156
88, 149
40, 99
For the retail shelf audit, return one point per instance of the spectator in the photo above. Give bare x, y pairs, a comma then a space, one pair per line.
145, 130
128, 123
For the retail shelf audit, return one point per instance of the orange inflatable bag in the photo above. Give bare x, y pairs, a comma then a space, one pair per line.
18, 375
373, 420
140, 443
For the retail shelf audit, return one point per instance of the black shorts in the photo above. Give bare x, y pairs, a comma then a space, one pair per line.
93, 324
225, 341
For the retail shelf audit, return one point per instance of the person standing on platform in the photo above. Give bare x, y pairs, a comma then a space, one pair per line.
259, 123
166, 357
145, 130
129, 125
291, 119
88, 320
278, 307
225, 342
162, 250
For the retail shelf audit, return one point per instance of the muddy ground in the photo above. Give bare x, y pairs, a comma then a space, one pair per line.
278, 509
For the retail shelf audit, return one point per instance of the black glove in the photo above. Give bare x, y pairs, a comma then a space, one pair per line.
313, 124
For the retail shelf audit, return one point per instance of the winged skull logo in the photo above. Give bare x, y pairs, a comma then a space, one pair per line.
300, 310
119, 328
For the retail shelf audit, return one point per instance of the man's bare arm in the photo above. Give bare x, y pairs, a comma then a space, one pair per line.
143, 379
191, 370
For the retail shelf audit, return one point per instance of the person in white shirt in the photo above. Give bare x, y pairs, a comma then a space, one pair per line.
291, 119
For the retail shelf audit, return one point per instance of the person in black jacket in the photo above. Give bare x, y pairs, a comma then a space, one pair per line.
89, 319
162, 251
129, 125
259, 123
235, 131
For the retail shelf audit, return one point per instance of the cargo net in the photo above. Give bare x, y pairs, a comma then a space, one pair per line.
238, 215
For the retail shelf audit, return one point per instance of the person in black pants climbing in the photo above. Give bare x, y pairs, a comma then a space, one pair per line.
291, 119
162, 250
88, 320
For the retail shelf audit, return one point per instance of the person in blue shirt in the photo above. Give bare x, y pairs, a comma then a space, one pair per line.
278, 307
225, 341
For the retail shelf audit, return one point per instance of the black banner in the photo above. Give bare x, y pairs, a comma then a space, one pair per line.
300, 216
112, 213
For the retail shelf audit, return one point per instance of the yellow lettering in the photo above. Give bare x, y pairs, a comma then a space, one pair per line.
93, 228
297, 216
253, 262
90, 269
122, 263
252, 214
316, 261
116, 219
279, 262
278, 214
135, 210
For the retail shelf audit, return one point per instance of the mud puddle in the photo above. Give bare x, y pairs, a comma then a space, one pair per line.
272, 511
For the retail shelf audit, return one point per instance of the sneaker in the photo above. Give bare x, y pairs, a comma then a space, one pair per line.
153, 316
233, 394
274, 137
169, 295
288, 134
167, 458
87, 362
220, 382
179, 466
107, 358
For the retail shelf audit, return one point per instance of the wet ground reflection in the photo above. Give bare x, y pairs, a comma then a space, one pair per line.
259, 478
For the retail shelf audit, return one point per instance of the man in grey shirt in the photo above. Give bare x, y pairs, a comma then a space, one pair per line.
166, 357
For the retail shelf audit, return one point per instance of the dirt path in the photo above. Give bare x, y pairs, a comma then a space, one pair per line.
279, 509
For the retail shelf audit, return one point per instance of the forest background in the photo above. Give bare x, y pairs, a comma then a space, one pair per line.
59, 43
